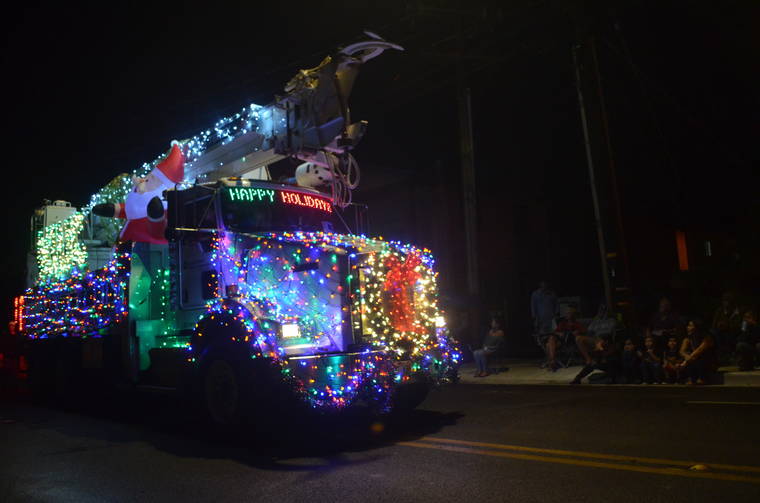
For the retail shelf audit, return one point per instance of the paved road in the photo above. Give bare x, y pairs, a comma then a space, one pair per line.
466, 443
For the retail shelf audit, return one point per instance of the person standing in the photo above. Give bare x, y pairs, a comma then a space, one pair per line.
544, 308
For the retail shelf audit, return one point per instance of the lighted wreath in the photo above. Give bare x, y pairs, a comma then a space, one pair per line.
399, 301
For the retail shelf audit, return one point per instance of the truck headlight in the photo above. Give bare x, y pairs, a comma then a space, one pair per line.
291, 331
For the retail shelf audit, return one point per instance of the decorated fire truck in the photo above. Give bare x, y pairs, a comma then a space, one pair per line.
201, 273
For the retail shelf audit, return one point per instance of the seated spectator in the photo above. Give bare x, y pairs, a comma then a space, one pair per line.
699, 353
726, 322
630, 364
567, 329
601, 326
664, 323
671, 362
748, 341
494, 339
604, 358
651, 362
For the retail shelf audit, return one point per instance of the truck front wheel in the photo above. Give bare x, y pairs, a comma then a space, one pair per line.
222, 393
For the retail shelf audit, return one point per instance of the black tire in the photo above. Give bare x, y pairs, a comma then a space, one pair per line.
223, 392
409, 396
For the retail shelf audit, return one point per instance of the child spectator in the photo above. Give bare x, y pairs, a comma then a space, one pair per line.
651, 362
630, 363
671, 362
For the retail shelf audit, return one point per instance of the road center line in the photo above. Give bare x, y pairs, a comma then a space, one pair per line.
707, 402
583, 454
595, 464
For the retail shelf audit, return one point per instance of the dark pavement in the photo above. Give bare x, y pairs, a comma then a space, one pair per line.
465, 443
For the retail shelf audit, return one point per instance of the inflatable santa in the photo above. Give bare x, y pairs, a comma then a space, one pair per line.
143, 208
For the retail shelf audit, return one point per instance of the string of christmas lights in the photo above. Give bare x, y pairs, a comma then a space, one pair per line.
330, 383
82, 305
267, 120
59, 249
295, 277
308, 279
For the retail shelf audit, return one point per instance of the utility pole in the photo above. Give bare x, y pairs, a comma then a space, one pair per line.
592, 177
604, 183
622, 293
467, 154
467, 159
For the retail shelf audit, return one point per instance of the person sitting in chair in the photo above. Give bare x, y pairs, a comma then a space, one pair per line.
567, 330
491, 344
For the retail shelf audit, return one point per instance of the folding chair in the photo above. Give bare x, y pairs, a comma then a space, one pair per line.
567, 352
497, 354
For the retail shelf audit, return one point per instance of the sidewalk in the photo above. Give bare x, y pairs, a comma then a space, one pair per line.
520, 372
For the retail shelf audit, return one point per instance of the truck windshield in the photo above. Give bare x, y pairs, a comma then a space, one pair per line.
262, 209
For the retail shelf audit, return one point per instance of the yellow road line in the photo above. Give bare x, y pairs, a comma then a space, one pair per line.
595, 464
707, 402
582, 454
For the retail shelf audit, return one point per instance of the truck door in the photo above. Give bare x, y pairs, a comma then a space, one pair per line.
148, 298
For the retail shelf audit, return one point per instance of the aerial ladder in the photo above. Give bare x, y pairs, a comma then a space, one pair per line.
310, 122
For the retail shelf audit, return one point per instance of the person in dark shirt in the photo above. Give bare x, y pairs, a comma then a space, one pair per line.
726, 322
651, 362
664, 323
604, 358
671, 362
630, 363
699, 353
603, 325
748, 341
494, 339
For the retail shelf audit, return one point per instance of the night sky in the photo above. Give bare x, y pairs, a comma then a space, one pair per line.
95, 91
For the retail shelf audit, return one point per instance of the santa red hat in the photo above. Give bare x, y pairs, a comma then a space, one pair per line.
171, 170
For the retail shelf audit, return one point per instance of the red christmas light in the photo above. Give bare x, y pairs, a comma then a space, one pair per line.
399, 289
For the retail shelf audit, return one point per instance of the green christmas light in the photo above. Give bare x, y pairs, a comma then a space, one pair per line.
59, 249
